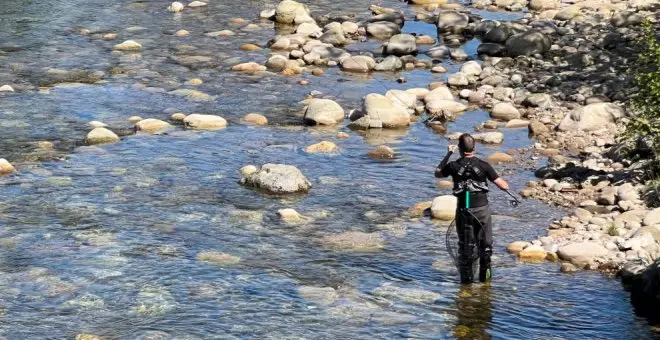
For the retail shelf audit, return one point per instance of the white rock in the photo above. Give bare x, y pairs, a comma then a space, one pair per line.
6, 167
176, 7
128, 45
204, 122
652, 218
6, 88
101, 136
444, 207
324, 112
196, 4
471, 68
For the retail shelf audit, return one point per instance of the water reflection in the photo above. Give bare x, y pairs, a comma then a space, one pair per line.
474, 311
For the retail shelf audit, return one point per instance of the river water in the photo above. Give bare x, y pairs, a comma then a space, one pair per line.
104, 240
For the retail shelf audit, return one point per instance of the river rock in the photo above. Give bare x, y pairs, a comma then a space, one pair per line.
278, 179
436, 107
627, 192
153, 126
334, 34
6, 88
350, 28
540, 5
533, 253
101, 136
402, 98
499, 157
256, 119
382, 109
324, 112
322, 147
568, 268
318, 295
289, 215
355, 241
439, 93
390, 63
567, 13
6, 167
591, 117
309, 29
383, 29
491, 49
444, 207
128, 45
622, 19
249, 67
292, 12
471, 68
528, 43
358, 64
489, 137
198, 121
381, 152
175, 7
458, 79
452, 22
652, 218
537, 128
517, 246
217, 257
410, 295
277, 62
196, 4
541, 100
505, 112
516, 124
401, 44
638, 242
575, 251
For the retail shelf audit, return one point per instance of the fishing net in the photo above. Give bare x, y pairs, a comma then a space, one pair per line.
471, 224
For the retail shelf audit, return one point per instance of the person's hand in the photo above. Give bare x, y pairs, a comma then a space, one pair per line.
451, 148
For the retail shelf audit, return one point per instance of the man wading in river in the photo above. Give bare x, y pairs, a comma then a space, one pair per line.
473, 220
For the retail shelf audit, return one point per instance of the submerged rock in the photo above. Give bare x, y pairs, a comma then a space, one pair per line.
101, 136
256, 119
381, 152
193, 95
277, 179
355, 241
410, 295
204, 122
217, 257
154, 300
321, 147
499, 157
318, 295
175, 7
249, 67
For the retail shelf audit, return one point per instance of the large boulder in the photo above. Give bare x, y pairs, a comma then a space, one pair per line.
452, 22
277, 179
528, 43
491, 49
324, 112
199, 121
505, 112
358, 64
292, 12
591, 117
499, 34
383, 29
581, 250
381, 108
401, 44
444, 207
101, 135
645, 288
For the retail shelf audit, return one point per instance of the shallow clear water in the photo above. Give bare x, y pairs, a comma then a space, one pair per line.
104, 241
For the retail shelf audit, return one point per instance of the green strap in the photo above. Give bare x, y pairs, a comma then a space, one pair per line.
467, 199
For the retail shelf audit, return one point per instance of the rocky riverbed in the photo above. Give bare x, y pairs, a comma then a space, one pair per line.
309, 118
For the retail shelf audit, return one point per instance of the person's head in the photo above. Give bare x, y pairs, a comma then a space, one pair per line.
466, 144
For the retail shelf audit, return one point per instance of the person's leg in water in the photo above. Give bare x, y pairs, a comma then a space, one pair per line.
466, 245
485, 242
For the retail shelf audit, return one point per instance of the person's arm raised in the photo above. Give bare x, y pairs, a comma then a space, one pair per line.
439, 170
